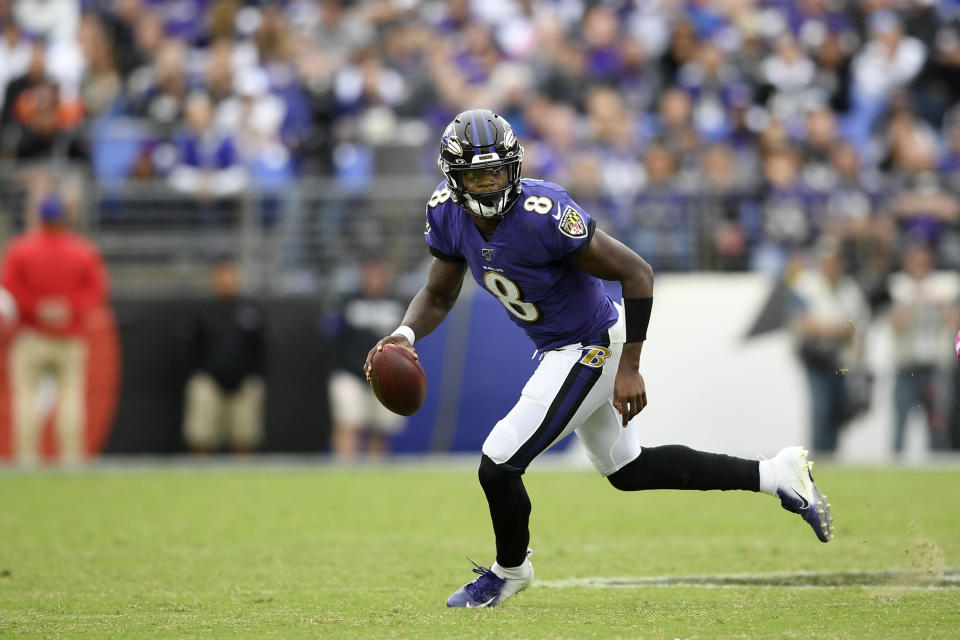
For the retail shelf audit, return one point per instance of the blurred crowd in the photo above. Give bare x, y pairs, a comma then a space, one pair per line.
708, 135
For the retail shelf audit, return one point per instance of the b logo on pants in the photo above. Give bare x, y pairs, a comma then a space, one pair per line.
595, 356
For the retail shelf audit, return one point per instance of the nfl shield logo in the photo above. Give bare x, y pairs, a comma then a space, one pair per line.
487, 253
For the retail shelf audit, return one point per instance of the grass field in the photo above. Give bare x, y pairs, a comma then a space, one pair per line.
329, 552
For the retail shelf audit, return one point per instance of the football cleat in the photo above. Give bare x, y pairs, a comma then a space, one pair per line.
489, 589
799, 494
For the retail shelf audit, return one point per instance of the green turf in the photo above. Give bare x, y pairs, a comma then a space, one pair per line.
373, 553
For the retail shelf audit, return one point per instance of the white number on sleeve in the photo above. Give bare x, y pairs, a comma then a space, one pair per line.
540, 204
438, 197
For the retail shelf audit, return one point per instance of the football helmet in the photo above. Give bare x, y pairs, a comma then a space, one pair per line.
481, 139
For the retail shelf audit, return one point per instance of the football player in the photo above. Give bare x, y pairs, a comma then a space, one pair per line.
534, 249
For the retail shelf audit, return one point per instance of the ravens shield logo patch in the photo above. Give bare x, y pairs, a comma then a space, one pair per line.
572, 223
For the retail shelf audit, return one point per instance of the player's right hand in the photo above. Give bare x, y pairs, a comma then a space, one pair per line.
400, 341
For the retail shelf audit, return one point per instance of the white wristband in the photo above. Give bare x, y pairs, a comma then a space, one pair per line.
406, 332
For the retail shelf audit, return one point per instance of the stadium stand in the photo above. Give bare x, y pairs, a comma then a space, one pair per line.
640, 106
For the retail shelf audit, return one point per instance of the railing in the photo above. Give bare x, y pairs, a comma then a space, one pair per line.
294, 242
299, 241
303, 240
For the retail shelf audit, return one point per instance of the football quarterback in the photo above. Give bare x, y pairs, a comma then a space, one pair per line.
530, 245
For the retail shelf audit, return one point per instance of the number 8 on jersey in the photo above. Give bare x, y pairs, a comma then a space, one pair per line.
507, 291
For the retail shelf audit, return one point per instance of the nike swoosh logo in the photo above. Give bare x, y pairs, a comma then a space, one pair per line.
482, 604
806, 503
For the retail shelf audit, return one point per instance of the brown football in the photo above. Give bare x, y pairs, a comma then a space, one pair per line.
398, 380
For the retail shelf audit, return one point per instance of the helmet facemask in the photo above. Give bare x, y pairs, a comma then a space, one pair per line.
485, 204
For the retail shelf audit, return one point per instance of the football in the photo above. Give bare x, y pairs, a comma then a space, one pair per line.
398, 380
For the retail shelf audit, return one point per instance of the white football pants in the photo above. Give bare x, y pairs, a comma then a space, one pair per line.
571, 390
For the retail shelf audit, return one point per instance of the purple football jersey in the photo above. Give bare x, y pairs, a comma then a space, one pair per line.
525, 263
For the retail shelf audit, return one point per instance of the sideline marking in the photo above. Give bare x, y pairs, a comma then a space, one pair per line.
948, 578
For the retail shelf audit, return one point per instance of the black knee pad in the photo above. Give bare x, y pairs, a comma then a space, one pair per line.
624, 478
493, 475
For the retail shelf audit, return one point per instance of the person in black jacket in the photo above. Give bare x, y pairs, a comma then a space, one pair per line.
225, 345
360, 422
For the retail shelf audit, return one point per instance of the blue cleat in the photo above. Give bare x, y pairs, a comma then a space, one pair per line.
489, 589
799, 494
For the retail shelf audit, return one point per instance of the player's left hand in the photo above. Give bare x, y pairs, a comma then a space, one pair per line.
629, 394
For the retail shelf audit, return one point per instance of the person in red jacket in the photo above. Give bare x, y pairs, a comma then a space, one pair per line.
56, 277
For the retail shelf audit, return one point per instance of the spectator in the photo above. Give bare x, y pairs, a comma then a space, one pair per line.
254, 117
274, 37
183, 19
158, 91
721, 204
638, 80
559, 65
853, 194
886, 64
614, 138
336, 31
36, 123
148, 39
368, 84
712, 84
950, 161
101, 84
222, 19
15, 52
788, 72
935, 89
56, 278
674, 124
832, 79
819, 138
219, 71
209, 163
357, 415
476, 55
49, 19
224, 341
663, 227
790, 213
830, 317
924, 316
121, 29
921, 203
855, 211
681, 50
551, 155
601, 35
